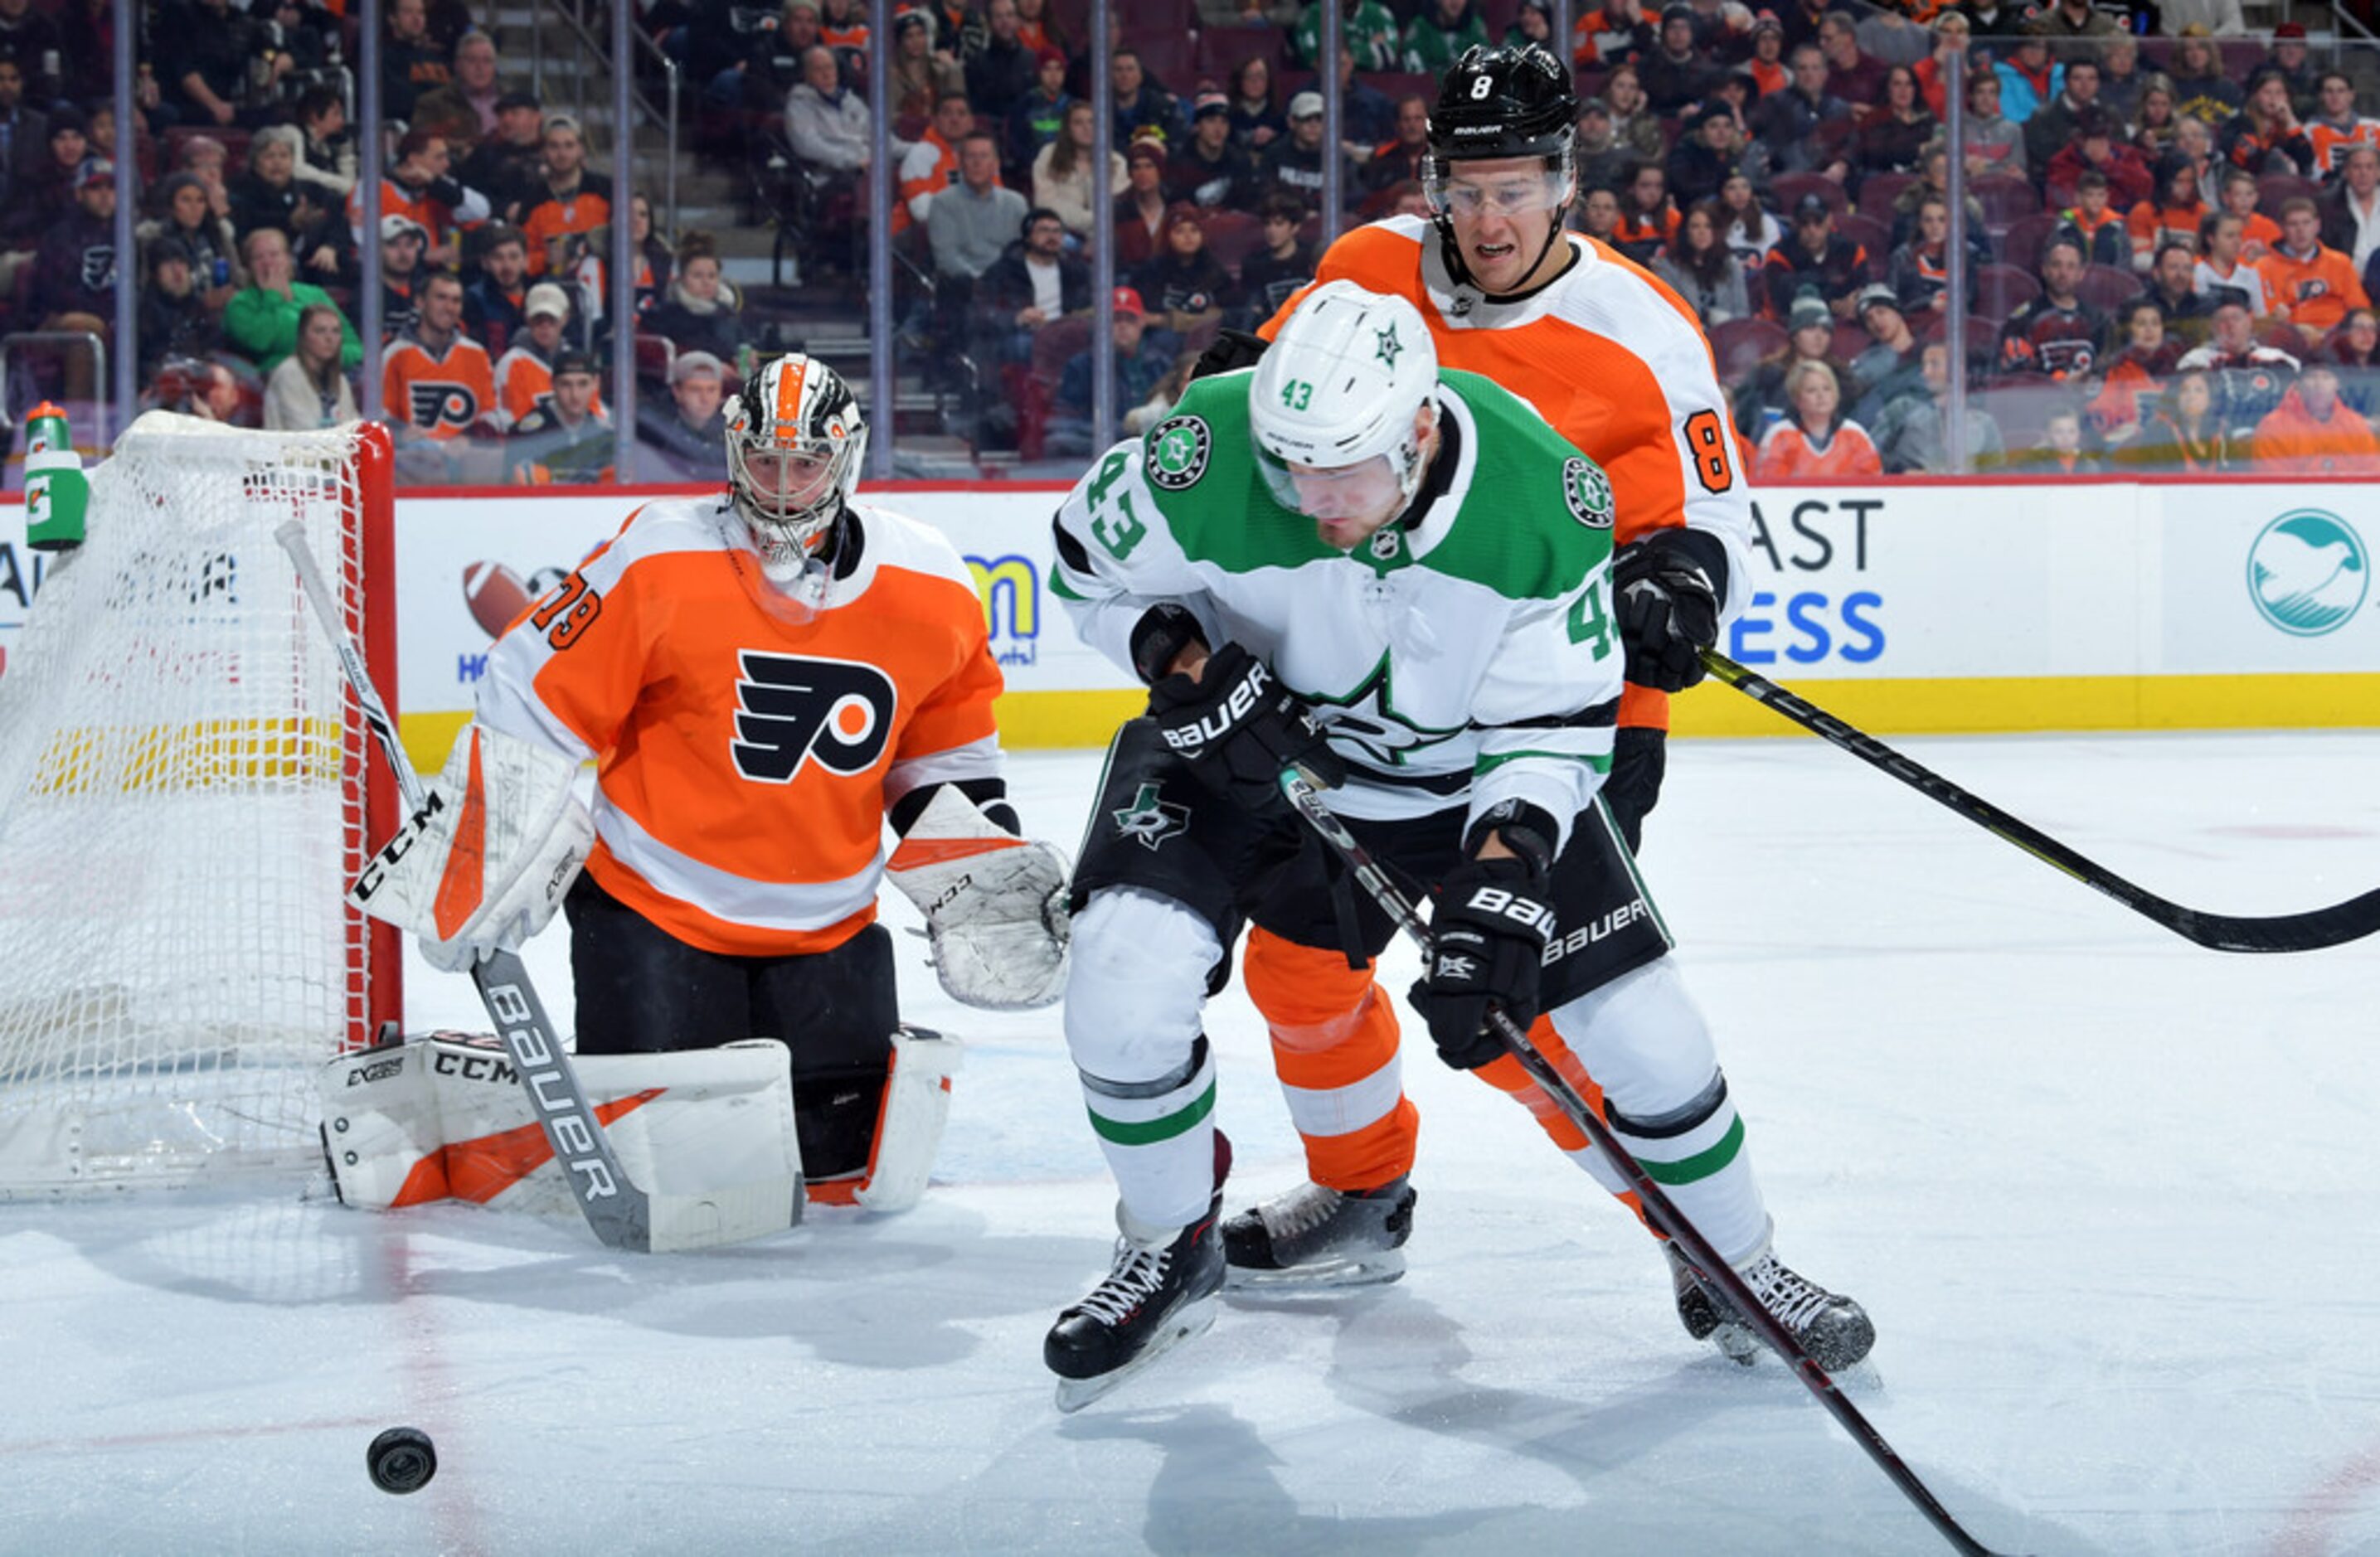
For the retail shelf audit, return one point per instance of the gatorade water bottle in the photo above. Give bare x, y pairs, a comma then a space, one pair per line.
56, 490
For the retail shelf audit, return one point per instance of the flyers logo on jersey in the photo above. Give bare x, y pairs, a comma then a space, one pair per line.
789, 709
434, 402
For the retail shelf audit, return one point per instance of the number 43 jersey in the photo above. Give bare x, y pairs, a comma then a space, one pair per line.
1466, 651
746, 747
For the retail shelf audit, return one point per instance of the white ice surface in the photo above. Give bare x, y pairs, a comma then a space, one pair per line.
2108, 1197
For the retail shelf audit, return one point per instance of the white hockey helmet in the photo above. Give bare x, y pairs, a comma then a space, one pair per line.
1338, 389
796, 441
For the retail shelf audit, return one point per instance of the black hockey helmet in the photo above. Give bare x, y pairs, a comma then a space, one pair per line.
1502, 103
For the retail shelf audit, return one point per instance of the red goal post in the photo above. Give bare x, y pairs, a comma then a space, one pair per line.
186, 789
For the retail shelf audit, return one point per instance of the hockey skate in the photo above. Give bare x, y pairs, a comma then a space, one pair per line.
1834, 1330
1317, 1238
1159, 1292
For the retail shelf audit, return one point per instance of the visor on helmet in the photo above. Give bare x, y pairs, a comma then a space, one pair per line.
1458, 189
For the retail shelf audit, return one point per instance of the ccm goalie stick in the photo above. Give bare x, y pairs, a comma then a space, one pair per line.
621, 1214
1658, 1207
2310, 931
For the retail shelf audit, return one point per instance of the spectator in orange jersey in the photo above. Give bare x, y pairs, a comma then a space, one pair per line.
2337, 126
524, 373
1817, 443
2091, 225
2258, 232
2315, 433
563, 215
2173, 215
439, 389
2134, 381
2310, 285
1648, 220
932, 165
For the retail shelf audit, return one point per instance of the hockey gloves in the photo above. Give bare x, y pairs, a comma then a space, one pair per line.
995, 904
1668, 582
1487, 942
1237, 729
1232, 349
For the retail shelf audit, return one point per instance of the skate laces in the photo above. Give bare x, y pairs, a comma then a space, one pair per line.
1795, 1298
1138, 1274
1300, 1211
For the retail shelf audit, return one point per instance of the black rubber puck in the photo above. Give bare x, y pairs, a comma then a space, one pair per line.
401, 1460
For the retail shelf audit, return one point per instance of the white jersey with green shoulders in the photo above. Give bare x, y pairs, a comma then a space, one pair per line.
1467, 653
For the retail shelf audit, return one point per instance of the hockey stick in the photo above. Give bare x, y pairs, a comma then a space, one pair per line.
2310, 931
621, 1214
1662, 1212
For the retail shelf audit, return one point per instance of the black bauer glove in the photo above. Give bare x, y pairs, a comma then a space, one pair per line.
1231, 349
1669, 584
1238, 730
1488, 926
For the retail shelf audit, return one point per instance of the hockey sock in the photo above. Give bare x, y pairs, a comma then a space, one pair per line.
1159, 1138
1334, 1046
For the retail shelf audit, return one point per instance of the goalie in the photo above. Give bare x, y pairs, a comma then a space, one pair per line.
763, 680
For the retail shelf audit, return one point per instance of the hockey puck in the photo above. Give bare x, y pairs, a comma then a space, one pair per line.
401, 1460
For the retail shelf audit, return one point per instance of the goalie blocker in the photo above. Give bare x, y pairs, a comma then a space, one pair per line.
443, 1116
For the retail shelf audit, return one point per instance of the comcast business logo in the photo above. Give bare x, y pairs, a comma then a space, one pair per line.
2309, 573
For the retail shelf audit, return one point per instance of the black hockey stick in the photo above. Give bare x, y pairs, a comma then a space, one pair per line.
621, 1214
2310, 931
1662, 1212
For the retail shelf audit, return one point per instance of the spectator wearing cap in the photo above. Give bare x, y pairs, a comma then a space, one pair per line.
1369, 28
1765, 65
1853, 74
1760, 397
75, 270
1031, 285
684, 437
2063, 21
1439, 34
172, 318
970, 223
699, 310
524, 372
2093, 224
921, 77
2051, 127
1601, 160
1281, 263
1648, 220
1700, 267
1893, 135
261, 320
1001, 72
2202, 89
2289, 57
1139, 367
509, 165
1206, 169
1815, 441
1064, 171
2310, 285
402, 245
2058, 334
1673, 72
1039, 114
2098, 149
2029, 78
1815, 258
1139, 104
495, 298
2264, 135
182, 213
1532, 24
1887, 366
566, 440
309, 390
1138, 214
1787, 122
1294, 161
1184, 288
572, 204
1617, 33
931, 164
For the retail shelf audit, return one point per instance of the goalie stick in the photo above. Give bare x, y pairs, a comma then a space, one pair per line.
621, 1214
2310, 931
1662, 1212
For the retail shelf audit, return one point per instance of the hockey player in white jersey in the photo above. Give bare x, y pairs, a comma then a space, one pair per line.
1399, 580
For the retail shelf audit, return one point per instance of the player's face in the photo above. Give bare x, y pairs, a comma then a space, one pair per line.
799, 480
1349, 503
1504, 212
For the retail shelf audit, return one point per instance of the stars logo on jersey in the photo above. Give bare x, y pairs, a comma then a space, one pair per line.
789, 709
1589, 492
1151, 820
1366, 720
1387, 347
1178, 451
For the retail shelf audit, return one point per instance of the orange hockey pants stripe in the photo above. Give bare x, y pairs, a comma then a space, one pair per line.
1334, 1047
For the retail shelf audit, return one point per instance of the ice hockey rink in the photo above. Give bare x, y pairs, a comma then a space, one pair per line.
2109, 1196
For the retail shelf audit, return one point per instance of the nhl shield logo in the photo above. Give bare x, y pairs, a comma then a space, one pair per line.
1177, 452
1589, 492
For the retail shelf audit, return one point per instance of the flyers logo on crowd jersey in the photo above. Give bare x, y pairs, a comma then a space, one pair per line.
837, 713
449, 403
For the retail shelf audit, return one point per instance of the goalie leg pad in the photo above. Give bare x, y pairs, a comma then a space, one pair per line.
914, 1105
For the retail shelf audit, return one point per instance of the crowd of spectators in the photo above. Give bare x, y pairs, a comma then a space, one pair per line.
2171, 228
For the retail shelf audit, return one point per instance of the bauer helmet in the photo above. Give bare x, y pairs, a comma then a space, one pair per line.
1339, 390
1496, 104
796, 441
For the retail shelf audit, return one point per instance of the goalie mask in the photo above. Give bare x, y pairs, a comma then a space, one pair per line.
1333, 406
796, 441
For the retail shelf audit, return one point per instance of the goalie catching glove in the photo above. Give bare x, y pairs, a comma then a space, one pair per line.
995, 904
483, 864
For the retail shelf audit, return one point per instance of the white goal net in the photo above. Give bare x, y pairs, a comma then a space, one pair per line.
182, 796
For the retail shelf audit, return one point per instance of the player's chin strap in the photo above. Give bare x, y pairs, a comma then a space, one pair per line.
2310, 931
1659, 1209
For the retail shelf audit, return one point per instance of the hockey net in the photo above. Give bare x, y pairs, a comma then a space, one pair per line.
184, 791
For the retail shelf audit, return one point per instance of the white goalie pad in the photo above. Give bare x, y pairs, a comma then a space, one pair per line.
995, 905
444, 1117
908, 1127
484, 863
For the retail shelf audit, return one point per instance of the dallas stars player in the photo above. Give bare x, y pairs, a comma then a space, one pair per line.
1400, 580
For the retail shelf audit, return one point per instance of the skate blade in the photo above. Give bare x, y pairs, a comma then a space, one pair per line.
1190, 1321
1368, 1270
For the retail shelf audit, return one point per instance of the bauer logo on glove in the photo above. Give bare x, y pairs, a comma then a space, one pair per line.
483, 864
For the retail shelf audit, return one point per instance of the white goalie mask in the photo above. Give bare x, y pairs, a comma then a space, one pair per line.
1332, 404
796, 441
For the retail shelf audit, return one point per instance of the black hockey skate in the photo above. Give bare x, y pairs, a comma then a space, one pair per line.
1834, 1330
1159, 1292
1315, 1237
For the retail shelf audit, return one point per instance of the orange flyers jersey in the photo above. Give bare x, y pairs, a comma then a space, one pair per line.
2330, 143
2318, 291
439, 396
1787, 454
745, 760
1613, 361
524, 382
